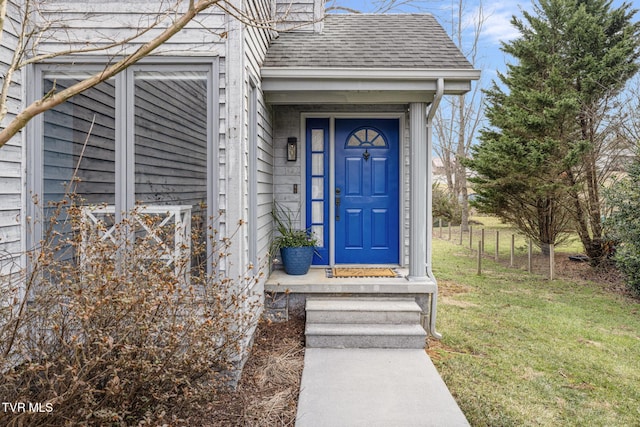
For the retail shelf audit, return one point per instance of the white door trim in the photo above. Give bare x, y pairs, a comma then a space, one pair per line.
332, 116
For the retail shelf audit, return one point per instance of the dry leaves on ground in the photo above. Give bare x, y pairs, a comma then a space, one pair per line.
268, 391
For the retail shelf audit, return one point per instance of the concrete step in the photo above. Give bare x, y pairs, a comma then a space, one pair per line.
363, 310
332, 335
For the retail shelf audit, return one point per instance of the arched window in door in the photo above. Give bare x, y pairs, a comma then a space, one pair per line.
366, 137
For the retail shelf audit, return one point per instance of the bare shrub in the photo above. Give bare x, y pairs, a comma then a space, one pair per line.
103, 330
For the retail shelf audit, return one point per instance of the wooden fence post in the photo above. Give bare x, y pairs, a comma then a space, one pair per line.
529, 262
479, 258
497, 245
552, 263
471, 237
461, 234
482, 240
513, 250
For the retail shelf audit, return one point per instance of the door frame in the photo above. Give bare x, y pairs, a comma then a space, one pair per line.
332, 116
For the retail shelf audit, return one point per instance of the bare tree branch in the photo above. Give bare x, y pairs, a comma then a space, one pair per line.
3, 16
342, 8
15, 59
116, 43
457, 124
48, 102
377, 6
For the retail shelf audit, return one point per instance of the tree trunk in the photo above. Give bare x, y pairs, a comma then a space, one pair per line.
546, 249
592, 239
461, 171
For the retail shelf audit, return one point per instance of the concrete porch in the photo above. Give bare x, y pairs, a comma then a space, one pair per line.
287, 295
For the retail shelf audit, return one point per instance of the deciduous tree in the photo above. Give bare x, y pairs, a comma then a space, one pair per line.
459, 117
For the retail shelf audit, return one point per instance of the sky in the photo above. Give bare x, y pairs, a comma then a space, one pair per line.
496, 28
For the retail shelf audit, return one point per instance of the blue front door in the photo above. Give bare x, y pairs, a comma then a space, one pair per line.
366, 193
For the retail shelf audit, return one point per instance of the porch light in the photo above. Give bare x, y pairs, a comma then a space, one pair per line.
292, 149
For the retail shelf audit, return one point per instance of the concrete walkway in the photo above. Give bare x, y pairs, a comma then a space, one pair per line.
374, 387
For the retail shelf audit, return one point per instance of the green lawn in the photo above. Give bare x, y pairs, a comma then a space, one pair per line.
519, 349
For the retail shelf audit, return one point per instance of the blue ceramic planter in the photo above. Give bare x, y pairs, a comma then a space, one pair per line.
297, 260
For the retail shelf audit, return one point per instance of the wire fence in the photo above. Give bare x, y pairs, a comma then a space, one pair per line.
502, 246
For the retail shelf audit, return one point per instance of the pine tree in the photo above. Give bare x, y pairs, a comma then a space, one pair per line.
536, 165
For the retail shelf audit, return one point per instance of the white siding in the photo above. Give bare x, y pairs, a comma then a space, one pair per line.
299, 15
11, 175
93, 24
256, 43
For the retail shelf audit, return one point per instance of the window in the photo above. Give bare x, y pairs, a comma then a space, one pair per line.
143, 138
366, 137
317, 185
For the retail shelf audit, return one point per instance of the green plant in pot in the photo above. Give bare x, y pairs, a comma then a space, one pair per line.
296, 245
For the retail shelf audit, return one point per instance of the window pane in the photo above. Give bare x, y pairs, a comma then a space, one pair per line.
318, 232
317, 188
316, 212
317, 140
67, 128
170, 134
78, 134
170, 138
317, 164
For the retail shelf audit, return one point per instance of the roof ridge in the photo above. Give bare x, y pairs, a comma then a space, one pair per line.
382, 14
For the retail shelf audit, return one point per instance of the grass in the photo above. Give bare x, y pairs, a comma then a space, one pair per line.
505, 231
519, 349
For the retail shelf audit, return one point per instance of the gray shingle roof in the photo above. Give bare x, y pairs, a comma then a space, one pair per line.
369, 41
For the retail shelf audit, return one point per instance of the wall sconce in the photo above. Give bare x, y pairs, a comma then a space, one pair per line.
292, 149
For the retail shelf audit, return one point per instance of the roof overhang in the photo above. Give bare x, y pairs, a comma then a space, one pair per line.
305, 85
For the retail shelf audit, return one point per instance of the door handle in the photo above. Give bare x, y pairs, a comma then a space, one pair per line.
338, 204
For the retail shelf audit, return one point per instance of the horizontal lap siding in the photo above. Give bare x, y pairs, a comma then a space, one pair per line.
66, 129
296, 14
170, 150
11, 175
99, 24
256, 43
265, 186
82, 24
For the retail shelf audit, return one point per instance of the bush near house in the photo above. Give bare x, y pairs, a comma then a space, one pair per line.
445, 206
111, 334
624, 223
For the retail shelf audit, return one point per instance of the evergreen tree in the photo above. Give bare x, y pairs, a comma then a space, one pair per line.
537, 164
624, 197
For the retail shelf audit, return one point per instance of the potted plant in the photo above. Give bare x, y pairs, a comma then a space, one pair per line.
296, 245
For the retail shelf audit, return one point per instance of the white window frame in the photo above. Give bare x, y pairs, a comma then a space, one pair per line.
124, 142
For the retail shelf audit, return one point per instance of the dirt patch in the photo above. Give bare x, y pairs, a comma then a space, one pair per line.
448, 288
437, 350
606, 274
